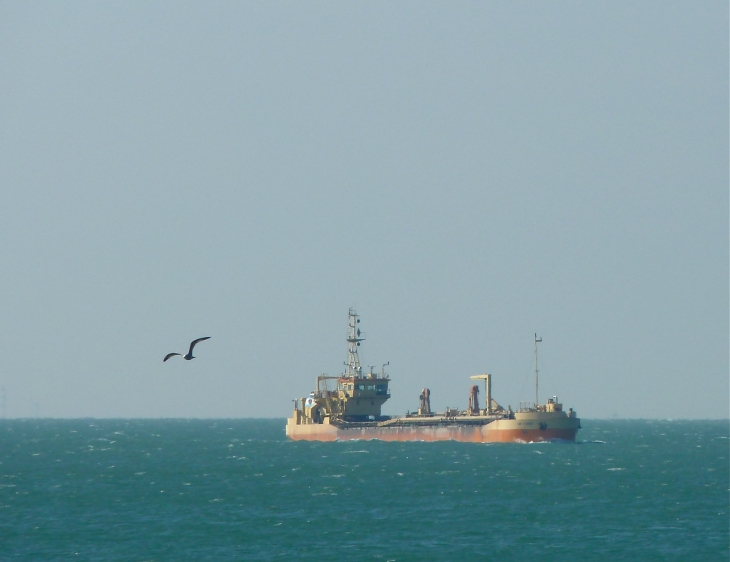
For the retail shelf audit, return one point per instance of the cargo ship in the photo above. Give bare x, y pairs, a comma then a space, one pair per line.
351, 409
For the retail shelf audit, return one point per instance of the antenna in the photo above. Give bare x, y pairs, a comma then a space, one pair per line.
4, 404
537, 340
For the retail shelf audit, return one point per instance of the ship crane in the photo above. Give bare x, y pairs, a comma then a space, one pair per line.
323, 378
487, 378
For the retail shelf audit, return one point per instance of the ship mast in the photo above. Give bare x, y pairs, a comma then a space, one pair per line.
537, 340
354, 370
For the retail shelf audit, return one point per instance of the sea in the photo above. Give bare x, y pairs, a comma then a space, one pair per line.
237, 489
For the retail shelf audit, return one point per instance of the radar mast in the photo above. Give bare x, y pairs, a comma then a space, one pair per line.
537, 340
354, 370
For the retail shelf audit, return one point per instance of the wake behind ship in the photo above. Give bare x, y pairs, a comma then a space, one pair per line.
352, 410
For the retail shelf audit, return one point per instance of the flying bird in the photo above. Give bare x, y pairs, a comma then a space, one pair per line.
189, 355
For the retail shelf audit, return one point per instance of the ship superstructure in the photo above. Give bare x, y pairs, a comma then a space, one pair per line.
352, 410
357, 396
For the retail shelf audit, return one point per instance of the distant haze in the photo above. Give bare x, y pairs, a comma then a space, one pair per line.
464, 175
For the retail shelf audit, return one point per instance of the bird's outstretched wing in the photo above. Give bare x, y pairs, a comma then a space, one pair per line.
192, 344
169, 355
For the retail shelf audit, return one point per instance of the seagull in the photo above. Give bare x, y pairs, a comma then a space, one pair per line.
189, 355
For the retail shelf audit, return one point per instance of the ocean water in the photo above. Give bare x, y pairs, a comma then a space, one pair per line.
153, 490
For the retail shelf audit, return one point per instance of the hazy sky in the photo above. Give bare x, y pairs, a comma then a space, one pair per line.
463, 174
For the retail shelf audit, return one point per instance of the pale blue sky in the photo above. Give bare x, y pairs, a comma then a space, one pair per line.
463, 174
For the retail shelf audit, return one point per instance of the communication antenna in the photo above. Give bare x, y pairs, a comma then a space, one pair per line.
537, 340
4, 404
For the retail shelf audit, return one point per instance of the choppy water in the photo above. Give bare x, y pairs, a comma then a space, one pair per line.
238, 490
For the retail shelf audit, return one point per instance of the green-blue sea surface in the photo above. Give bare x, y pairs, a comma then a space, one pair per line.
153, 490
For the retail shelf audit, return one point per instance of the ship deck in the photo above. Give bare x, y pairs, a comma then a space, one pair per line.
430, 421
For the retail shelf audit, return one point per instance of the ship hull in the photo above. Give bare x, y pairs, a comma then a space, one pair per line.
498, 431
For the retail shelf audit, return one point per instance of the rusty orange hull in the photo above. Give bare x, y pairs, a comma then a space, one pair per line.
495, 432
